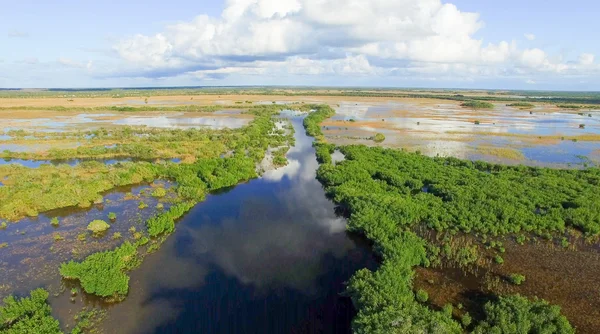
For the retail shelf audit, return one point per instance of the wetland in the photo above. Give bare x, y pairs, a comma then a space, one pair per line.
293, 211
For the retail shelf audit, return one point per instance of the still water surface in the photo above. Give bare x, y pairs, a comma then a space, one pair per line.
268, 256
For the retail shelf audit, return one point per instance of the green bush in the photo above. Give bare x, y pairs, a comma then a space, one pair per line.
422, 296
103, 274
28, 315
516, 314
379, 138
159, 192
477, 105
98, 226
516, 279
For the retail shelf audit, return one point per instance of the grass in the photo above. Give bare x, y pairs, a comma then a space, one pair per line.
501, 152
521, 105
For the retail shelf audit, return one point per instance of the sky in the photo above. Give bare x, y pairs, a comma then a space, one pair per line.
509, 44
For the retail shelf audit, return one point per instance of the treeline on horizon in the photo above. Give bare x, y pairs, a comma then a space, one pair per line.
554, 97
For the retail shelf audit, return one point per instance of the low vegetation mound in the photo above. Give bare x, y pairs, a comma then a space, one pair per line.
379, 138
477, 105
98, 226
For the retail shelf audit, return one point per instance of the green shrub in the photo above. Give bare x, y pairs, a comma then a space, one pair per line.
422, 296
516, 314
498, 259
159, 192
477, 105
516, 279
103, 273
466, 320
98, 226
379, 138
28, 315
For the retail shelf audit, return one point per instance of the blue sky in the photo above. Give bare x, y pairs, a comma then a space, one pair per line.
402, 43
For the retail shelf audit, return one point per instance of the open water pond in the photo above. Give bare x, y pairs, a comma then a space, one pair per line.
60, 122
267, 256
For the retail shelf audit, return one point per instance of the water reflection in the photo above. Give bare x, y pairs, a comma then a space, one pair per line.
269, 256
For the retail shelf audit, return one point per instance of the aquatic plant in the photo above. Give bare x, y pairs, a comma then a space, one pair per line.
159, 192
57, 237
116, 235
379, 138
54, 221
3, 245
30, 314
142, 205
98, 226
103, 273
165, 221
3, 226
112, 216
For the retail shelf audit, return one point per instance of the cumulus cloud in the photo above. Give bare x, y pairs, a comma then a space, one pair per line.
331, 37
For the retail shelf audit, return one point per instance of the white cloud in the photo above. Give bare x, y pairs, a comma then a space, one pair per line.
76, 64
530, 37
586, 59
530, 82
337, 37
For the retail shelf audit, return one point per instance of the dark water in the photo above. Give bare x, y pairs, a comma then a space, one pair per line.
268, 256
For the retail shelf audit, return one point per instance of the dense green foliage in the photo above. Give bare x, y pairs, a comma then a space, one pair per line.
165, 222
516, 314
312, 122
388, 193
457, 195
28, 315
523, 105
477, 105
103, 273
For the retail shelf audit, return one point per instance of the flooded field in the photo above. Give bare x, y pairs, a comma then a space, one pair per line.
56, 122
540, 136
35, 247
